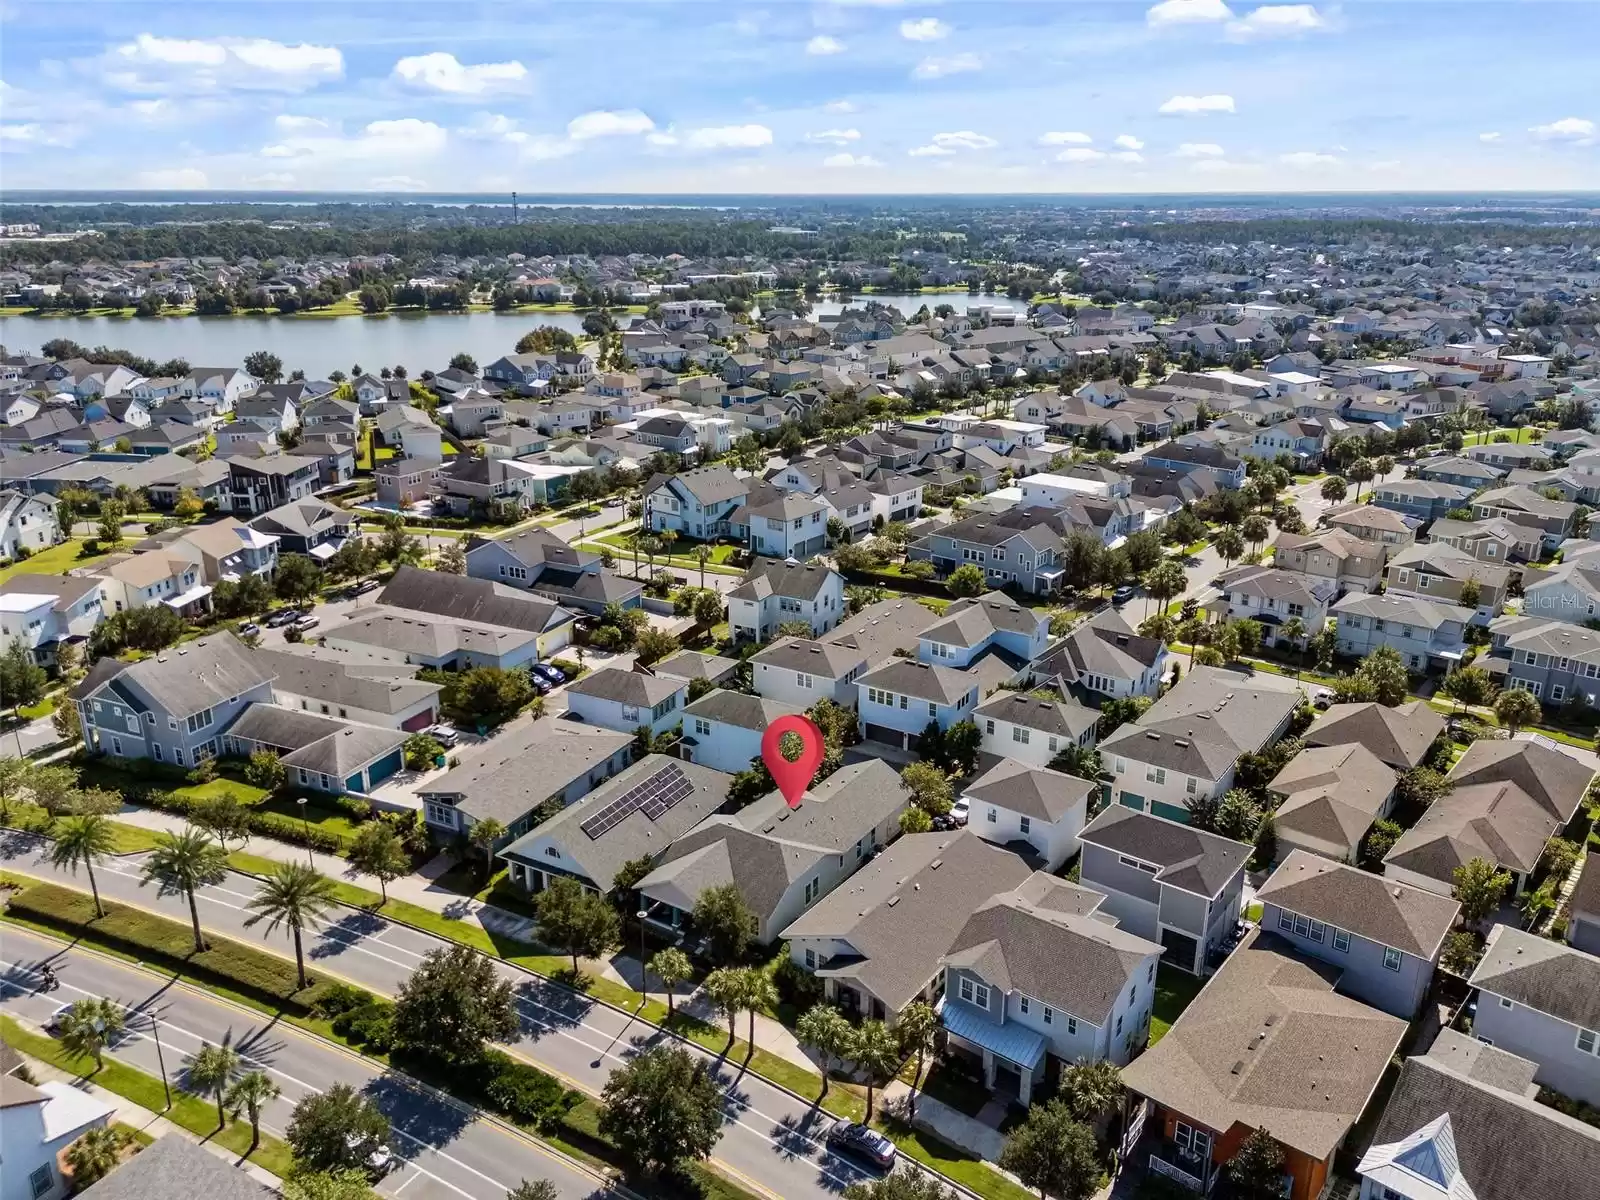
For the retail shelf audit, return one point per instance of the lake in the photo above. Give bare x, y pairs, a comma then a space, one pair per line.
316, 346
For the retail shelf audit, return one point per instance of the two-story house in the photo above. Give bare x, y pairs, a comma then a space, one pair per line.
1462, 472
171, 708
1104, 657
990, 634
1334, 557
781, 859
376, 396
773, 593
1496, 540
1400, 737
309, 526
1524, 506
28, 524
1555, 661
1188, 742
1421, 499
626, 700
1568, 591
1228, 469
897, 701
1330, 797
259, 485
695, 504
1383, 935
1374, 524
1034, 975
1030, 809
134, 581
1017, 546
723, 729
1425, 633
43, 611
1164, 881
1540, 1000
1272, 597
801, 671
470, 412
1440, 573
1032, 730
778, 524
538, 561
220, 387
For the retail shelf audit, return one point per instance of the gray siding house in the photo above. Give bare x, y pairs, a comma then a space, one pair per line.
1384, 936
1421, 498
1424, 633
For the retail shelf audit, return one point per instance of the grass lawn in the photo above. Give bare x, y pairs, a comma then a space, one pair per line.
197, 1115
1254, 910
965, 1168
722, 553
242, 793
32, 712
1174, 990
55, 561
329, 820
130, 839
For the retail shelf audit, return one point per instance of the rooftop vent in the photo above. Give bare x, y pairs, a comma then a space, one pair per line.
936, 864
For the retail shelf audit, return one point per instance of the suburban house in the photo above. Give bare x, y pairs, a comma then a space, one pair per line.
1105, 657
175, 1166
1510, 797
1436, 572
223, 550
800, 672
1384, 936
1524, 506
1228, 470
990, 635
1540, 1000
1273, 597
1240, 1059
1399, 737
28, 524
877, 941
42, 611
1494, 540
1031, 729
1422, 499
782, 860
514, 775
460, 598
172, 707
536, 560
1331, 795
1034, 811
635, 814
1188, 742
321, 753
311, 526
259, 485
695, 504
1374, 524
1036, 978
627, 700
723, 729
1178, 886
1555, 661
1426, 634
1018, 546
40, 1122
1463, 472
773, 593
1464, 1120
368, 693
1335, 557
897, 701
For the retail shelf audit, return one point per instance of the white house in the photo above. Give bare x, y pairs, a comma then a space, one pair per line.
1032, 730
27, 523
1046, 810
42, 611
799, 671
37, 1123
625, 700
773, 593
897, 701
723, 729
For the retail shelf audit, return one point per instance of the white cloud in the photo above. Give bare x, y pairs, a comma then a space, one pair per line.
839, 106
606, 122
1129, 156
851, 160
926, 29
662, 137
1278, 20
405, 138
399, 183
728, 137
21, 135
174, 179
1307, 159
290, 122
190, 65
1188, 12
1577, 130
938, 68
1488, 137
1128, 142
929, 152
1194, 106
964, 139
1198, 150
1065, 139
443, 73
822, 44
1080, 154
834, 137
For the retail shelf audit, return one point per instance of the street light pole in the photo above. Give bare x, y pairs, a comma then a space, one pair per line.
644, 974
306, 825
155, 1029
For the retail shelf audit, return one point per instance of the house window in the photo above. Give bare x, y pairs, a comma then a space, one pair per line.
41, 1181
1589, 1042
1391, 959
1558, 691
1341, 941
1192, 1140
1285, 920
811, 960
1019, 734
1022, 1005
1192, 786
1026, 824
802, 679
1155, 774
992, 817
702, 727
1072, 1026
1049, 1015
988, 727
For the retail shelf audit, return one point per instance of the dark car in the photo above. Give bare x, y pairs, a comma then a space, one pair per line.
1122, 595
542, 686
282, 617
549, 673
858, 1140
249, 629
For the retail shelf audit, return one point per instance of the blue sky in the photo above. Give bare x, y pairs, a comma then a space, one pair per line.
846, 96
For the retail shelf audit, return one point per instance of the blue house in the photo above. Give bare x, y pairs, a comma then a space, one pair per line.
895, 702
1424, 499
1227, 469
993, 625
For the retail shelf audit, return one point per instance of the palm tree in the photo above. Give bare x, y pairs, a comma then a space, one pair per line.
876, 1051
825, 1030
1091, 1089
295, 895
1229, 543
672, 967
759, 994
95, 1155
183, 863
484, 835
1166, 580
89, 1026
250, 1093
725, 990
212, 1069
84, 841
1294, 629
632, 541
702, 554
917, 1026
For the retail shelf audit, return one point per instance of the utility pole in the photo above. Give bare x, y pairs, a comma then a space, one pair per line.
513, 208
155, 1028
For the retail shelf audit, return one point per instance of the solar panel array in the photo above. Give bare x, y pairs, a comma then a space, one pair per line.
666, 788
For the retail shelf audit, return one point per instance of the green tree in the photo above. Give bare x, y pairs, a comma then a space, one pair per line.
1421, 786
264, 366
1469, 687
224, 818
188, 504
22, 681
249, 1094
915, 820
1091, 1089
907, 1183
348, 1184
723, 918
651, 645
917, 1026
265, 771
757, 994
930, 790
535, 1189
183, 863
708, 608
453, 1005
965, 581
661, 1108
53, 788
1516, 708
724, 988
421, 752
336, 1130
1054, 1154
109, 530
13, 781
485, 835
1385, 671
489, 696
1229, 542
294, 895
379, 851
1255, 529
1461, 953
575, 921
1238, 815
298, 578
1256, 1169
89, 1026
672, 967
824, 1029
1165, 581
1479, 887
453, 559
876, 1053
96, 1154
1471, 593
84, 841
211, 1070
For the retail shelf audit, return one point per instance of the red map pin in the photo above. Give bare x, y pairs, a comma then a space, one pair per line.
793, 778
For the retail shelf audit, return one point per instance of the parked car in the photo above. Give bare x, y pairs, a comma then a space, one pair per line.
1322, 698
862, 1142
283, 617
249, 629
306, 624
365, 586
539, 684
549, 673
55, 1020
378, 1160
1122, 595
445, 735
960, 810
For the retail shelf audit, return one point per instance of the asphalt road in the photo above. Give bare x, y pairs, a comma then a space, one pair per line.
771, 1143
443, 1151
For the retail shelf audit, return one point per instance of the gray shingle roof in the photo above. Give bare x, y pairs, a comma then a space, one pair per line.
801, 581
627, 687
471, 600
1067, 719
1040, 794
1399, 736
1381, 910
343, 683
197, 675
347, 751
1548, 976
173, 1167
924, 681
515, 772
1555, 780
1332, 794
1190, 859
739, 709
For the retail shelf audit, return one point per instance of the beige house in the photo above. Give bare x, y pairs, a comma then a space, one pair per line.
1374, 524
1436, 572
1336, 556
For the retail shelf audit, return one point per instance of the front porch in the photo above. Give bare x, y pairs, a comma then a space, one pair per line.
192, 604
1013, 1058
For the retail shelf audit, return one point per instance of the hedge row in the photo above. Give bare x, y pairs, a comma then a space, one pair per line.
170, 944
268, 824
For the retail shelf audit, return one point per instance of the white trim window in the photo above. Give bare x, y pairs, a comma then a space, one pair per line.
1391, 959
1589, 1042
974, 993
1341, 941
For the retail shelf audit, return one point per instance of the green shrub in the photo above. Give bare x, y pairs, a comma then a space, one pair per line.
369, 1025
567, 667
339, 998
289, 829
357, 808
796, 986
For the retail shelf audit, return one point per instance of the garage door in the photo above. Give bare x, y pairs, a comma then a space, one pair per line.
1131, 801
1180, 949
882, 733
421, 721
